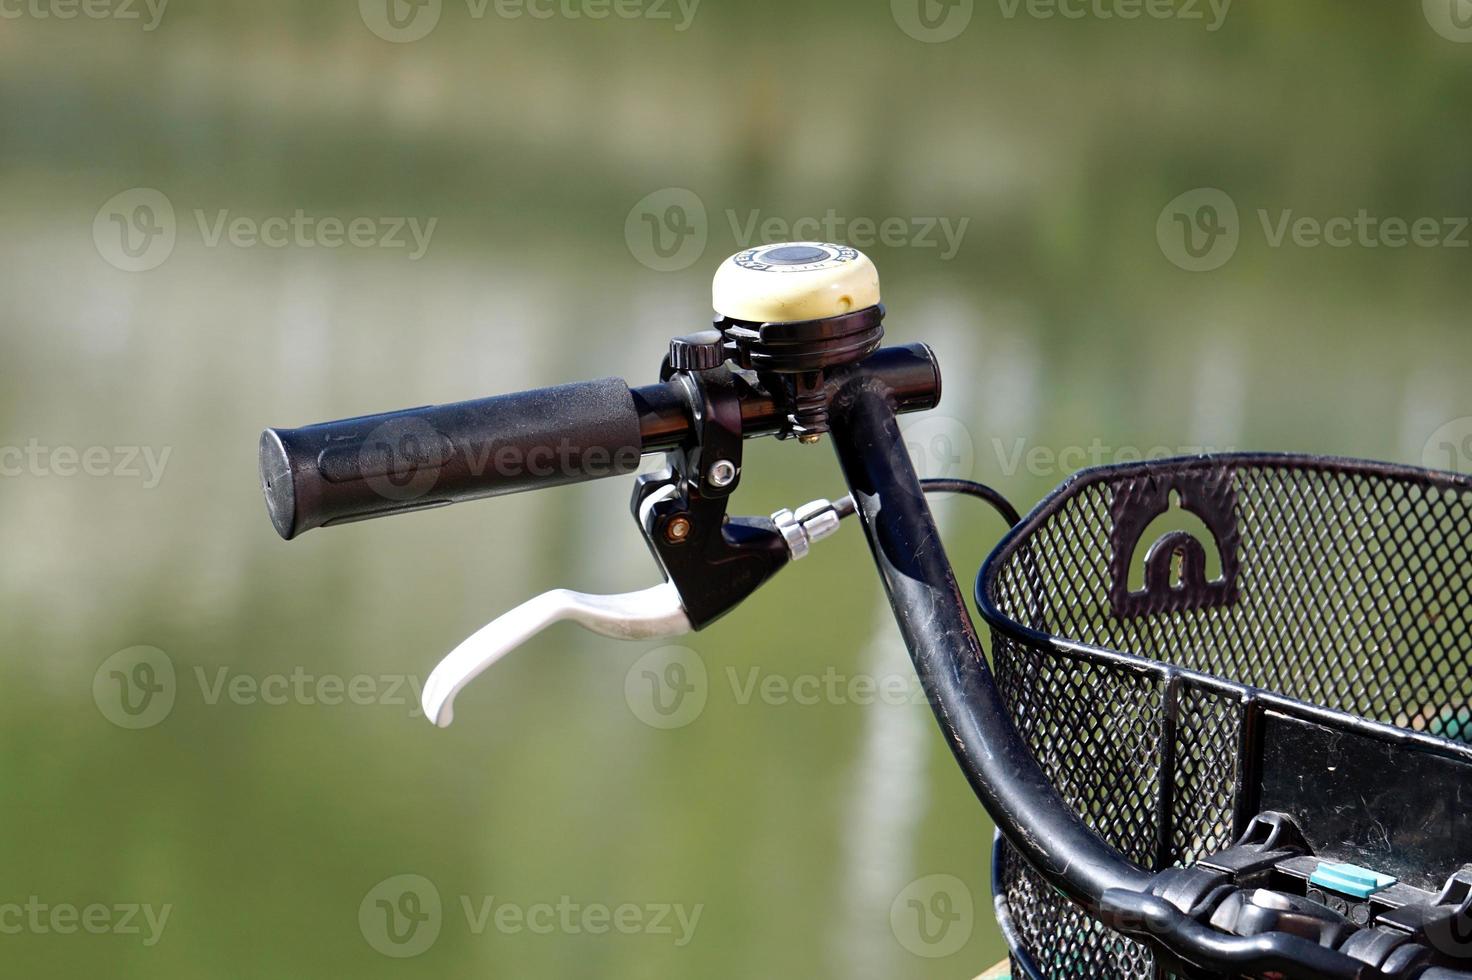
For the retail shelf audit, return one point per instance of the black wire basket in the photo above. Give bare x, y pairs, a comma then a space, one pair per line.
1186, 644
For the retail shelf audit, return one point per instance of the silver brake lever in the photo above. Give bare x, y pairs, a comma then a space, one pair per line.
646, 615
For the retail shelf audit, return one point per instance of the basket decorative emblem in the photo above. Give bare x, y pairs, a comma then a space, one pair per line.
1209, 494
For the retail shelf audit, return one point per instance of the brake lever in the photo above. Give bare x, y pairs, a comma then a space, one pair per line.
653, 613
649, 614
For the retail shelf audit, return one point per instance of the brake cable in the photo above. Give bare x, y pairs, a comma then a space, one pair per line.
969, 488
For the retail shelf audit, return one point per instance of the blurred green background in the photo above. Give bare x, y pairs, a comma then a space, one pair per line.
1074, 319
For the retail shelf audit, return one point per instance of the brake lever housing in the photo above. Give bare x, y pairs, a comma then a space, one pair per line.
714, 560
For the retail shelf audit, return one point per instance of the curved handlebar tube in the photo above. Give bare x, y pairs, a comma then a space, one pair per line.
932, 617
1041, 827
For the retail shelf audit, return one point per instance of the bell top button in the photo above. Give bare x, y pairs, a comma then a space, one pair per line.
794, 281
697, 351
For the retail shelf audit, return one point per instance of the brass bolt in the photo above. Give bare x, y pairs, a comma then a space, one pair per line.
678, 529
810, 438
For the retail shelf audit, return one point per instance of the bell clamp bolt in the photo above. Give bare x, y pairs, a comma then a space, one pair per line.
700, 351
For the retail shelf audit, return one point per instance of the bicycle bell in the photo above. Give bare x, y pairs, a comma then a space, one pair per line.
790, 311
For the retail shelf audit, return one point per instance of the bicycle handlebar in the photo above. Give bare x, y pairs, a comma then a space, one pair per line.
379, 465
801, 378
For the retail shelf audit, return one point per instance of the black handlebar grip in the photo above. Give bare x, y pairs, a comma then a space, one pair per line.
379, 465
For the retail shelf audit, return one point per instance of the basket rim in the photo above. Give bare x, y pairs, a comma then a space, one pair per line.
1173, 675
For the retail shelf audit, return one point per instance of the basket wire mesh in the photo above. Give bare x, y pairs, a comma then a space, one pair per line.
1340, 584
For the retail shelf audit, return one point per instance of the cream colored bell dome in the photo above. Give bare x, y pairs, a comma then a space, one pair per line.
794, 281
